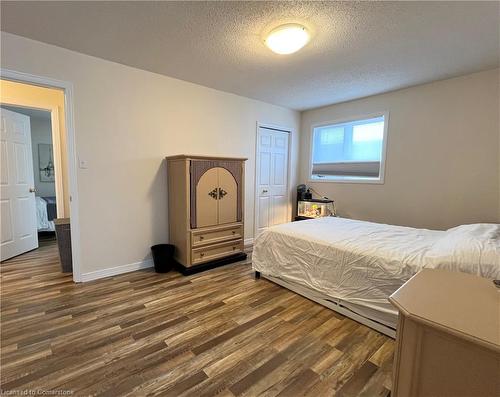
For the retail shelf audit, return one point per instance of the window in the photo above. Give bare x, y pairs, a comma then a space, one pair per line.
349, 151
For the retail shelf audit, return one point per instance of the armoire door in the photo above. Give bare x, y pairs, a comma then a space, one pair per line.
216, 198
228, 197
207, 194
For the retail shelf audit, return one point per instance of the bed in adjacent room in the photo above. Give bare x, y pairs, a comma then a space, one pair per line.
354, 266
46, 212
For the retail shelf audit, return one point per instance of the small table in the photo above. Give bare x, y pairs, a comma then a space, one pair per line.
448, 336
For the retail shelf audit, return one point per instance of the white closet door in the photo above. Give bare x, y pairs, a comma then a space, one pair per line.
18, 210
271, 178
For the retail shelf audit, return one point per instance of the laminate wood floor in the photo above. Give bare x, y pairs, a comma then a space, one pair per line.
215, 333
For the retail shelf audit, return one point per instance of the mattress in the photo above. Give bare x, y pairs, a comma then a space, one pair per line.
360, 264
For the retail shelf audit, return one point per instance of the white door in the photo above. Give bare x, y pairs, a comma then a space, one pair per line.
18, 211
271, 179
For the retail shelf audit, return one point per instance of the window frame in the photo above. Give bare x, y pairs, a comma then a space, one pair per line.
350, 179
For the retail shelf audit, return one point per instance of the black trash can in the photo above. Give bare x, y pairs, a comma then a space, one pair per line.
163, 257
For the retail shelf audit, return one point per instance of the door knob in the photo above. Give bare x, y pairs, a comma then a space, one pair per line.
32, 189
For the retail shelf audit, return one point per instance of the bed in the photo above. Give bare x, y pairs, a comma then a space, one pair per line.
354, 266
46, 212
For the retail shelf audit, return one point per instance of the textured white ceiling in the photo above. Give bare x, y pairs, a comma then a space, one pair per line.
358, 48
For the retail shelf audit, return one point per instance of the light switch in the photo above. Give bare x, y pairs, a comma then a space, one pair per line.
83, 164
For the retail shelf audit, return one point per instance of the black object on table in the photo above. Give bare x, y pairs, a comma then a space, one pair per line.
301, 218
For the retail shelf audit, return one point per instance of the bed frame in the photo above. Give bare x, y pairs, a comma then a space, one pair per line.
336, 306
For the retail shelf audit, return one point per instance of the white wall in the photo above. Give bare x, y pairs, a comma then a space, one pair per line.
442, 165
126, 121
41, 132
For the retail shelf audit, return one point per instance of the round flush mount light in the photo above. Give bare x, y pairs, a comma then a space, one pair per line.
287, 39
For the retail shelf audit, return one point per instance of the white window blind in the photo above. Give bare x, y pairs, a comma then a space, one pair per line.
349, 150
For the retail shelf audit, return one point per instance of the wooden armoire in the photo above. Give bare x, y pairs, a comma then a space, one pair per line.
205, 210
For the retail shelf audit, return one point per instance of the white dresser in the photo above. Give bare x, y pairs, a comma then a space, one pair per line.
448, 336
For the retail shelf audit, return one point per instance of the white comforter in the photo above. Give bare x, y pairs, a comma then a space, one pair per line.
43, 223
363, 263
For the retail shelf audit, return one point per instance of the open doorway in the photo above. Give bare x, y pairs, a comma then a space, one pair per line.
29, 204
35, 168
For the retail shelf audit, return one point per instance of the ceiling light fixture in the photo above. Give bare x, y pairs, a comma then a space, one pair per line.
287, 39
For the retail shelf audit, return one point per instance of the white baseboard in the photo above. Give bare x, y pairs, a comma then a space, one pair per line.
113, 271
131, 267
248, 242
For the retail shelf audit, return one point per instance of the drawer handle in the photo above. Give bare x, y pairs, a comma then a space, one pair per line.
234, 248
234, 232
202, 254
201, 237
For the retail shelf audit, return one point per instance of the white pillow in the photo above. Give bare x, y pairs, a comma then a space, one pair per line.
483, 231
471, 249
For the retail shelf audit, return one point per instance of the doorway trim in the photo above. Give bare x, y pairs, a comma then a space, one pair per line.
290, 132
67, 87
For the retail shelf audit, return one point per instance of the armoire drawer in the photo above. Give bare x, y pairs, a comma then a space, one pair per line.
202, 238
217, 251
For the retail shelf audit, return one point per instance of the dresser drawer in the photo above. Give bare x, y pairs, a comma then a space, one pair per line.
213, 236
216, 251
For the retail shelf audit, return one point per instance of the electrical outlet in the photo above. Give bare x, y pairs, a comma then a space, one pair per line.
83, 164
